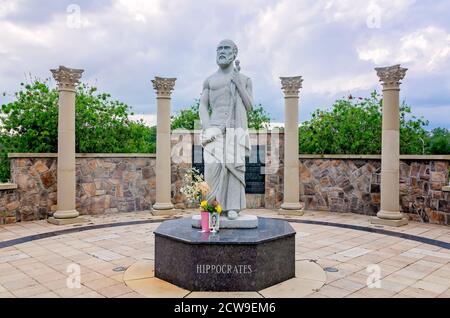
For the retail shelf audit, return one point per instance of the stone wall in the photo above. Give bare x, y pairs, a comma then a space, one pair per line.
349, 184
9, 203
340, 185
105, 184
124, 183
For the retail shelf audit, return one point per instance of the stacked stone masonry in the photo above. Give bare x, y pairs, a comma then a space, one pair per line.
108, 184
104, 185
353, 185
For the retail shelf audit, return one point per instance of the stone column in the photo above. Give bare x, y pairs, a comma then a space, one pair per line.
67, 79
389, 213
163, 88
291, 203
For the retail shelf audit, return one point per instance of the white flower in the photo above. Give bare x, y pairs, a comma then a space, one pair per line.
192, 185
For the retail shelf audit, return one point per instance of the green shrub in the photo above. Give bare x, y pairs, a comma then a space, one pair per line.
258, 118
353, 126
439, 141
30, 124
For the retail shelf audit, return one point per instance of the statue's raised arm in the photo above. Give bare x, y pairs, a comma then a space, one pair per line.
244, 87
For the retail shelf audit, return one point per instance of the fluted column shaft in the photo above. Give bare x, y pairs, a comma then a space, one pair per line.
67, 80
389, 213
291, 87
164, 88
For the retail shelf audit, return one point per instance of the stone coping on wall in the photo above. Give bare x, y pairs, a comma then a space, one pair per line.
446, 188
153, 155
83, 155
8, 186
376, 157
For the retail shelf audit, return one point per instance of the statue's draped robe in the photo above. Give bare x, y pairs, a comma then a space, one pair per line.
225, 155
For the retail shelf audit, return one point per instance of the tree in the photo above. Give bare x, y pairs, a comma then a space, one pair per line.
30, 124
353, 126
439, 141
258, 118
187, 118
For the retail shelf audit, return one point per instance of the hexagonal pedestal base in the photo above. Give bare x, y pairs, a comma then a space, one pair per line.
230, 260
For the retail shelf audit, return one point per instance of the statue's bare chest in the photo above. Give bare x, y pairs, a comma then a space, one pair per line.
219, 82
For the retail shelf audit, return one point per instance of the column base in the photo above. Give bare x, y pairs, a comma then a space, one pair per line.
69, 214
55, 221
291, 212
291, 206
388, 222
164, 209
66, 217
390, 215
163, 206
165, 212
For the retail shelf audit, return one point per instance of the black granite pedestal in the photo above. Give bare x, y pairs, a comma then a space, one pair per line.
230, 260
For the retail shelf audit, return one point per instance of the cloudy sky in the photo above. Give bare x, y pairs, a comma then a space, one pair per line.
334, 45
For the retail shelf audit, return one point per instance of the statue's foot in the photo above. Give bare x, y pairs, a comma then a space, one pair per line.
232, 215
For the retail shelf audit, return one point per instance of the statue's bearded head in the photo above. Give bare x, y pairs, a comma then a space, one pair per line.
226, 53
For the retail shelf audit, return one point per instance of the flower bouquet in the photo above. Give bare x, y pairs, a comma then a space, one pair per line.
195, 190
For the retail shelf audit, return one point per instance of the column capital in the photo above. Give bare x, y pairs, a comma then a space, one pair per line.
291, 85
163, 86
67, 78
390, 76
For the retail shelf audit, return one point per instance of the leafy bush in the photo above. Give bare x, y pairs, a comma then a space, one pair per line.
30, 124
353, 126
258, 118
187, 118
439, 142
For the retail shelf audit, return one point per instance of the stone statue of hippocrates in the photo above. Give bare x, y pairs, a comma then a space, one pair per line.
226, 99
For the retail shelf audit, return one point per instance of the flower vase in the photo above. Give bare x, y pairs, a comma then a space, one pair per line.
205, 222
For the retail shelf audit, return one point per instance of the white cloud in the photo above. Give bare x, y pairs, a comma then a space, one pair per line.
425, 49
20, 37
361, 12
149, 120
339, 84
8, 6
123, 44
139, 10
377, 55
